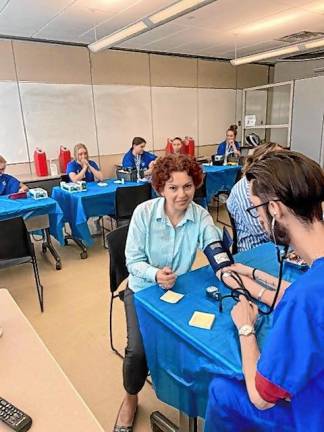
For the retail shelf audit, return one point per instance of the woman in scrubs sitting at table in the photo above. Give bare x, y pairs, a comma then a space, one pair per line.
230, 146
163, 239
81, 168
8, 183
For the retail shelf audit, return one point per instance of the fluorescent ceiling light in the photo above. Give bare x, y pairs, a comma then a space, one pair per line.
314, 44
119, 36
173, 10
265, 55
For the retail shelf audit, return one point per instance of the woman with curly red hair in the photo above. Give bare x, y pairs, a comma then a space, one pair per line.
163, 238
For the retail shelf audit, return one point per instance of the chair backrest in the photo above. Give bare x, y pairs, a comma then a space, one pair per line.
14, 239
201, 191
234, 245
116, 241
128, 198
46, 184
65, 178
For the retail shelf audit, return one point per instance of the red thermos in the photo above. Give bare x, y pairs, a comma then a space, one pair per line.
40, 162
190, 145
64, 158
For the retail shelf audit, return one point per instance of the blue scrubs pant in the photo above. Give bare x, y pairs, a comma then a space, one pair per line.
229, 410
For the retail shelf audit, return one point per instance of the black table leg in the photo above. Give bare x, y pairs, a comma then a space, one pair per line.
47, 244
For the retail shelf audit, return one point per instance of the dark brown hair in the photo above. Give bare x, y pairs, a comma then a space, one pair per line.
137, 141
232, 128
258, 153
165, 166
292, 178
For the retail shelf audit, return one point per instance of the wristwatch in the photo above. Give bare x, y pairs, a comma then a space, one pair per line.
246, 330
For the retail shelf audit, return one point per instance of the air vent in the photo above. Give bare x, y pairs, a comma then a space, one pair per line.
300, 37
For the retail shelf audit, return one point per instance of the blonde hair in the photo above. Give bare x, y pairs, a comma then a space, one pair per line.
258, 154
77, 147
2, 160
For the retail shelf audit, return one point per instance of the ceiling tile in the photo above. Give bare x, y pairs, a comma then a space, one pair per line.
23, 18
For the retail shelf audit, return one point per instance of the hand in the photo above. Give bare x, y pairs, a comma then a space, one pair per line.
84, 163
166, 278
244, 312
241, 269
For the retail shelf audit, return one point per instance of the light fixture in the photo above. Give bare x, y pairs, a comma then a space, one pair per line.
118, 36
314, 44
177, 8
265, 55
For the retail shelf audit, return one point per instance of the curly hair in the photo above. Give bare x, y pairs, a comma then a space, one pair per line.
165, 166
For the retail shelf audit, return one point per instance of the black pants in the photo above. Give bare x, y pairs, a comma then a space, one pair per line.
134, 368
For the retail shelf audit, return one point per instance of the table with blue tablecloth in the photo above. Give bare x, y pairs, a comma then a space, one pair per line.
182, 359
78, 207
29, 208
43, 214
219, 178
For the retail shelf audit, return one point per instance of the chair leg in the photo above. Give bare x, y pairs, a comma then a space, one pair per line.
110, 326
39, 286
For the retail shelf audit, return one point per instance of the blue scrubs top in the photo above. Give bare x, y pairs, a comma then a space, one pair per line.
75, 167
222, 147
293, 356
129, 160
8, 184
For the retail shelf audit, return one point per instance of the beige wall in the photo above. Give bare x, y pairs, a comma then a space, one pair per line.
287, 71
63, 64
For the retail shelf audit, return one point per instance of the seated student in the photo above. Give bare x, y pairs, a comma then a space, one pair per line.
284, 385
162, 242
230, 146
81, 168
137, 157
8, 183
177, 147
249, 230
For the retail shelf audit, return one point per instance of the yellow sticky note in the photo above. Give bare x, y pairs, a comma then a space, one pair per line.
171, 297
202, 320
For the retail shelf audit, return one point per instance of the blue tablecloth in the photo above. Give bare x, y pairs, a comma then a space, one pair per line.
29, 207
78, 207
184, 359
219, 178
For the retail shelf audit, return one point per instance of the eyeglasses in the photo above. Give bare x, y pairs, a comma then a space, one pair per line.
253, 210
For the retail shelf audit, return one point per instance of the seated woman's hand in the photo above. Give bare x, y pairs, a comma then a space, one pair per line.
166, 278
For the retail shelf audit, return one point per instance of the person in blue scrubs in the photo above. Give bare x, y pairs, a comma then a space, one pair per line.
284, 384
8, 183
230, 146
137, 157
81, 168
163, 238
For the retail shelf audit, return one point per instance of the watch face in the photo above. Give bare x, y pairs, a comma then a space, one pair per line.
246, 329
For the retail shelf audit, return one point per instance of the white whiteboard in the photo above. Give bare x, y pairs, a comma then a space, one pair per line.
58, 114
217, 113
174, 113
13, 145
122, 112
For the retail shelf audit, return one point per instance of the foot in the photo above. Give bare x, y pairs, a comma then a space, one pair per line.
127, 411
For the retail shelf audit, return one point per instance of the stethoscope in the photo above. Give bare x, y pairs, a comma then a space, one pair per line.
241, 290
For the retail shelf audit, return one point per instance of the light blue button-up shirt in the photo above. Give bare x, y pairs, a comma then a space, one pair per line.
153, 242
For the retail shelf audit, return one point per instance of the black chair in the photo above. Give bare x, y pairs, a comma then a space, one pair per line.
222, 197
200, 196
118, 272
234, 231
126, 200
16, 248
46, 184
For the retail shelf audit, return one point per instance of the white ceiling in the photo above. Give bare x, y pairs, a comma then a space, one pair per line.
213, 30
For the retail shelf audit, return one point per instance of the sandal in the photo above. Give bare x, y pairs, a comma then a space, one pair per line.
118, 428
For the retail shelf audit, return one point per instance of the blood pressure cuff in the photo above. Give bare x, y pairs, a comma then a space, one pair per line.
218, 255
